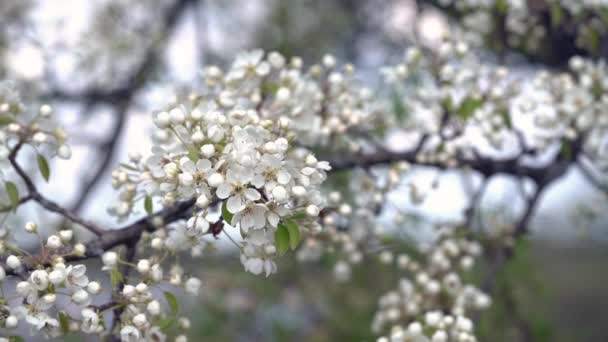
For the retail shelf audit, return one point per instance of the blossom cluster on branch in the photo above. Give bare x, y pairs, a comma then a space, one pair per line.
243, 158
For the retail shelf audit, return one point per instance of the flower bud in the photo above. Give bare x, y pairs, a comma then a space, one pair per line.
53, 242
110, 259
13, 262
143, 266
31, 227
66, 235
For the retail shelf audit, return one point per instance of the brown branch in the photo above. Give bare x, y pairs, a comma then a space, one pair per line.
35, 195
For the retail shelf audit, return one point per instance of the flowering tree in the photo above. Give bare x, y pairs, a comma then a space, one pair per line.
276, 157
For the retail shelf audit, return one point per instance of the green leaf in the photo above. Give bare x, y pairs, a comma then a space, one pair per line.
281, 239
294, 233
13, 194
399, 107
557, 14
226, 215
115, 277
5, 120
64, 323
148, 205
166, 323
566, 151
43, 166
16, 338
468, 107
172, 301
193, 154
298, 215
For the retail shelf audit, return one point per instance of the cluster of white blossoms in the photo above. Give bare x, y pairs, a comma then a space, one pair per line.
143, 317
433, 299
37, 127
50, 285
525, 23
227, 148
468, 107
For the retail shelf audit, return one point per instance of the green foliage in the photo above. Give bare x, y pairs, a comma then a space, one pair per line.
115, 277
5, 120
226, 215
148, 205
64, 323
13, 194
281, 239
172, 301
468, 107
43, 166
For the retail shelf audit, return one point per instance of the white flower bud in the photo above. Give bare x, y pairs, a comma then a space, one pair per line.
162, 120
110, 259
50, 298
312, 210
31, 227
64, 152
208, 150
215, 180
66, 235
39, 137
140, 320
11, 322
46, 110
157, 243
177, 116
298, 190
128, 291
80, 297
156, 272
198, 137
80, 249
181, 338
202, 201
184, 323
143, 266
13, 262
153, 308
193, 286
57, 276
283, 95
53, 242
94, 287
141, 288
279, 193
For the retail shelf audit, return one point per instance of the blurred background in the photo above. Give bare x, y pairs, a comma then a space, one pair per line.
107, 64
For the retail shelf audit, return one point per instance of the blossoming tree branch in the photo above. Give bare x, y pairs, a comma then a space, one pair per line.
254, 157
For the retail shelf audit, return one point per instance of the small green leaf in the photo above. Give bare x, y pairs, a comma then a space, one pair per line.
5, 120
64, 323
148, 205
294, 233
16, 338
281, 239
566, 151
166, 323
226, 215
468, 107
13, 194
399, 107
193, 153
172, 301
115, 277
298, 215
43, 166
557, 14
